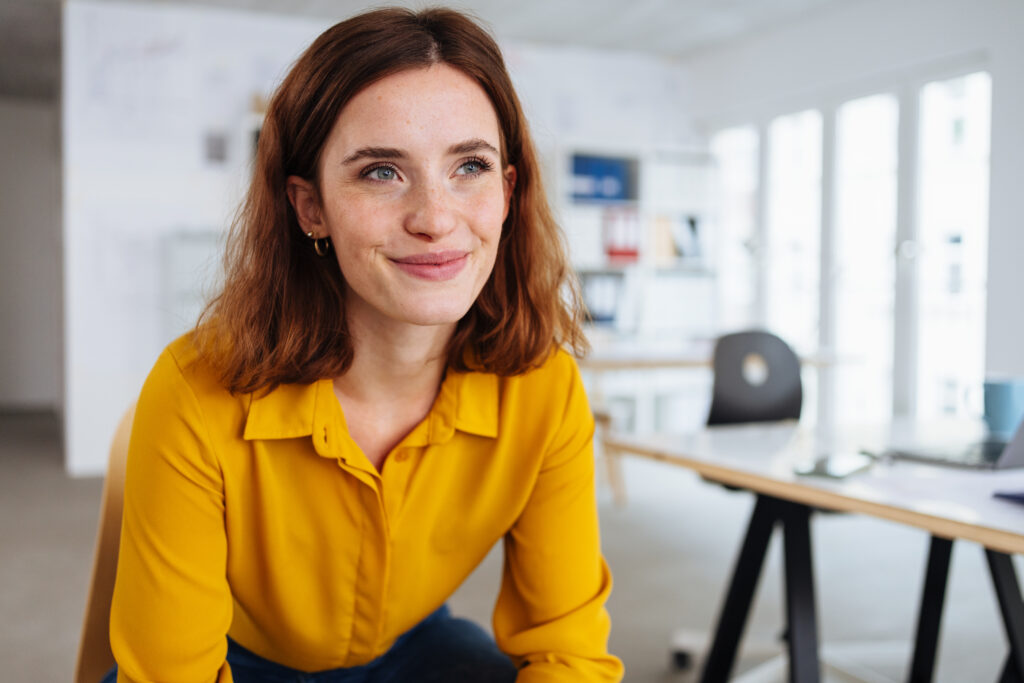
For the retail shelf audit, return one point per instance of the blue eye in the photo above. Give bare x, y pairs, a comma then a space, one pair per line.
381, 173
474, 167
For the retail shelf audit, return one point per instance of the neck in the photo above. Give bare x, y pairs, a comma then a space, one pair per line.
392, 383
401, 360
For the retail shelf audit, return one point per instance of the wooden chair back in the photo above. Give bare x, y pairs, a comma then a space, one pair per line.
94, 656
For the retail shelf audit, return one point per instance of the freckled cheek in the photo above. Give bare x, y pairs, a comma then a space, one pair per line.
362, 228
486, 215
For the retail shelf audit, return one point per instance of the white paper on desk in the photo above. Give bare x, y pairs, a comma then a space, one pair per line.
936, 490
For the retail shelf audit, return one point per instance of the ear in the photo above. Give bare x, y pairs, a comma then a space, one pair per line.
509, 185
306, 201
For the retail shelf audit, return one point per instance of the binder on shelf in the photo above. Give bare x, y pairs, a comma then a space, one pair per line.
601, 294
604, 179
621, 227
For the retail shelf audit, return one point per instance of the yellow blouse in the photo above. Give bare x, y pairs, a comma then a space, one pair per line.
258, 517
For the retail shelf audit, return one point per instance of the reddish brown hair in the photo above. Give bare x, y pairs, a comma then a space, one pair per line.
280, 317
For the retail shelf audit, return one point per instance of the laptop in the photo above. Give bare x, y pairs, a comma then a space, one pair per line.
987, 454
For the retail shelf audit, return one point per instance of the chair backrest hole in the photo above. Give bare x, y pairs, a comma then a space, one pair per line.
755, 369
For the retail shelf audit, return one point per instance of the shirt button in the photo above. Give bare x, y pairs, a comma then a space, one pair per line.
402, 456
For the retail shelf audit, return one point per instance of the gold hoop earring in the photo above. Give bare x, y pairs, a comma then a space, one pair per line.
321, 245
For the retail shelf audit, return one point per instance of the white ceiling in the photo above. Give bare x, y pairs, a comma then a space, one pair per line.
30, 29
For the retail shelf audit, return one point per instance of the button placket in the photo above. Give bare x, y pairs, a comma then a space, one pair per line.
395, 477
373, 577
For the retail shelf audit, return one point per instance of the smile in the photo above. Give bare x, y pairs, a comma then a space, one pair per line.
441, 266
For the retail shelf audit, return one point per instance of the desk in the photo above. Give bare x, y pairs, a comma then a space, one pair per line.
633, 356
948, 503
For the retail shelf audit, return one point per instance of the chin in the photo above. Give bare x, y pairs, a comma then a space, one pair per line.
436, 313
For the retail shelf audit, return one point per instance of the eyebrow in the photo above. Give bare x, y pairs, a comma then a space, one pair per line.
374, 153
465, 147
470, 146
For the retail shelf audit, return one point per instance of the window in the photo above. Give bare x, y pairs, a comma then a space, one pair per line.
952, 242
793, 228
904, 287
864, 266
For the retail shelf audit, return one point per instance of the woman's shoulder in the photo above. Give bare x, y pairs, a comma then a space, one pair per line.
183, 392
551, 386
559, 365
546, 409
181, 366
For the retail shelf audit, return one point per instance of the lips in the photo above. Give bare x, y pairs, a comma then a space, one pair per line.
438, 266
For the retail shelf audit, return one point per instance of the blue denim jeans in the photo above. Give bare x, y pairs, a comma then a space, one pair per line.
440, 649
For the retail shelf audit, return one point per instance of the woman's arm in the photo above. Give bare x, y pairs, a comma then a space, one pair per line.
172, 606
550, 613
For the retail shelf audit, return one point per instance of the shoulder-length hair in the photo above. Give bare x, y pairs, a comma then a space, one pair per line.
280, 317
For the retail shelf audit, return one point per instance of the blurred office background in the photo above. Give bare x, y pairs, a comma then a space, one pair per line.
842, 172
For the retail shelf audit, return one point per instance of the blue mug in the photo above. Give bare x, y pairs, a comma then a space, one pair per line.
1004, 406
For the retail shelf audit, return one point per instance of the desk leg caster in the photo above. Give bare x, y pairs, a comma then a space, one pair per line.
687, 650
682, 660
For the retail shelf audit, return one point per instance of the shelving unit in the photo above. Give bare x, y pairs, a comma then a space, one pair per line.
636, 223
639, 241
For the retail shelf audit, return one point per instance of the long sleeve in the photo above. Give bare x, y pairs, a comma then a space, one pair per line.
550, 614
172, 605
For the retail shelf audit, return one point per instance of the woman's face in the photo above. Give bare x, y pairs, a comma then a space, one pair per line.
413, 195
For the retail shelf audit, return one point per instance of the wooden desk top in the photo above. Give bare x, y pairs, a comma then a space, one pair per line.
636, 357
947, 502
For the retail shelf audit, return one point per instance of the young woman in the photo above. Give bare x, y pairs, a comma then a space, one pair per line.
377, 396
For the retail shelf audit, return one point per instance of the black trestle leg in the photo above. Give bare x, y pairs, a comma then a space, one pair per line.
733, 617
929, 617
801, 611
1004, 579
1009, 672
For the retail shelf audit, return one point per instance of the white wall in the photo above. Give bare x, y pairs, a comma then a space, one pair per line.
876, 44
30, 258
144, 83
575, 95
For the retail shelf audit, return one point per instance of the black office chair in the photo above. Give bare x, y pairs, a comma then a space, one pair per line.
756, 379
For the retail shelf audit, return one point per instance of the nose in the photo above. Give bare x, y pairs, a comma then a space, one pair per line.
430, 213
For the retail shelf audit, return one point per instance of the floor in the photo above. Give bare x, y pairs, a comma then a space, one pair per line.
670, 548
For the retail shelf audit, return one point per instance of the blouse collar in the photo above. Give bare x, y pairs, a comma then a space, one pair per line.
467, 402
